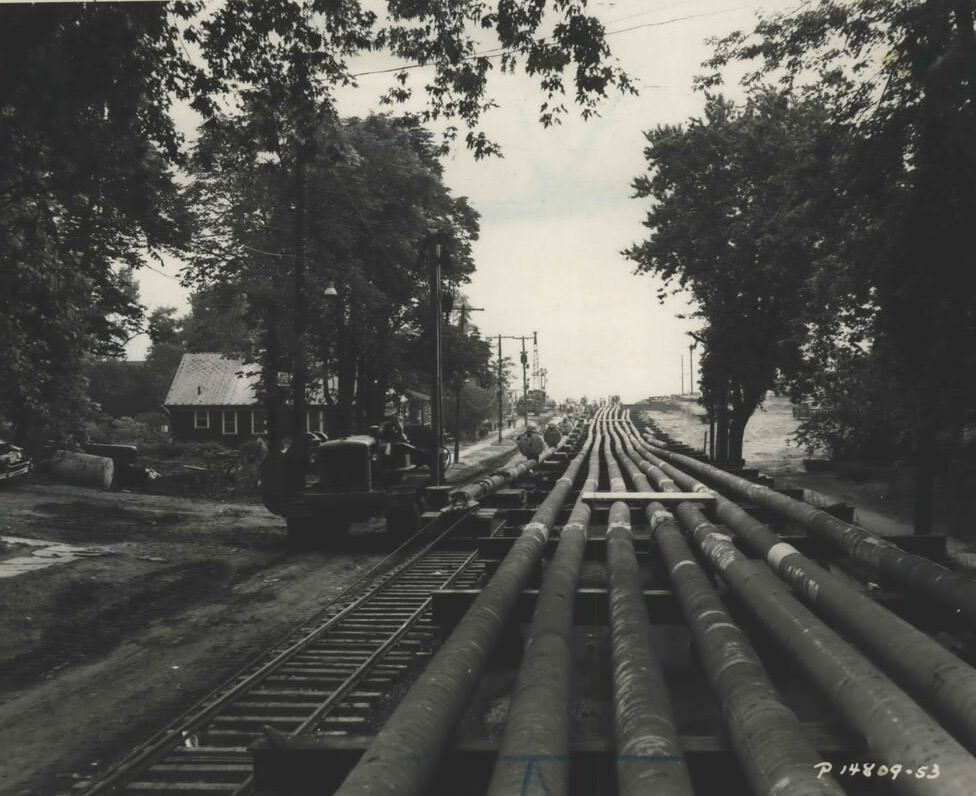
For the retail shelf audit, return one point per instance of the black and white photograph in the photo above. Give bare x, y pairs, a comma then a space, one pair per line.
488, 398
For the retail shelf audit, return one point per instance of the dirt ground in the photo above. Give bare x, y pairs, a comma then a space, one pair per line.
166, 598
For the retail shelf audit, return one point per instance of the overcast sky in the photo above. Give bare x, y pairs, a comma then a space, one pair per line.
556, 210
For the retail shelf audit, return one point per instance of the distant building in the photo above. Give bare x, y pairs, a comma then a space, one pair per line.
215, 397
415, 407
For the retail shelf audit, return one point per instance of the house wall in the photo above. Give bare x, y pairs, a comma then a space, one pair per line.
183, 423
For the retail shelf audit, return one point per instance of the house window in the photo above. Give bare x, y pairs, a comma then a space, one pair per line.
314, 421
257, 422
201, 418
230, 422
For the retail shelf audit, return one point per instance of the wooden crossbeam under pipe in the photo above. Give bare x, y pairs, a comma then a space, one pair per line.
647, 497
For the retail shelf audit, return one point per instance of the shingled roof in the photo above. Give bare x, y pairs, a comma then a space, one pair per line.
213, 380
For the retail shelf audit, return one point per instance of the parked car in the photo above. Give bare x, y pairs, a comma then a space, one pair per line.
13, 461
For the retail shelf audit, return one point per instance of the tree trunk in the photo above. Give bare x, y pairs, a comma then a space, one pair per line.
722, 426
737, 429
925, 461
711, 434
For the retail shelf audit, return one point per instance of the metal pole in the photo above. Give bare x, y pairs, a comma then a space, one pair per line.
691, 368
682, 374
435, 393
299, 374
500, 413
457, 400
525, 385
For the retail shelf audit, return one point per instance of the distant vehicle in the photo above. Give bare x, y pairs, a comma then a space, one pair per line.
14, 463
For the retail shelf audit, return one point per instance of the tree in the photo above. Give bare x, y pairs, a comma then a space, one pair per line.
898, 76
731, 220
374, 187
86, 191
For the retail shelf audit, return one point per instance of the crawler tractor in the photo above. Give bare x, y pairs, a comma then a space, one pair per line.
351, 479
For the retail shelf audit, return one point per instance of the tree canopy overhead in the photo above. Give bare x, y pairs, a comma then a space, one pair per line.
304, 48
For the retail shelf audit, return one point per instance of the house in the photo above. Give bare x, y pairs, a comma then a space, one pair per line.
415, 407
215, 397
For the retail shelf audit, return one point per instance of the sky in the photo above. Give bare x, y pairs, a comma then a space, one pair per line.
557, 208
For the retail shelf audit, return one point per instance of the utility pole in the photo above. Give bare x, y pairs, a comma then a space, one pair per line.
525, 378
435, 396
535, 361
682, 374
500, 412
296, 471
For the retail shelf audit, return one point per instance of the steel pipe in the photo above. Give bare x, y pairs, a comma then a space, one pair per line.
892, 564
649, 753
944, 683
776, 757
404, 755
895, 728
488, 483
535, 745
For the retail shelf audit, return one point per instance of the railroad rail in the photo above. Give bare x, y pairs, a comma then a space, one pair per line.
330, 673
625, 618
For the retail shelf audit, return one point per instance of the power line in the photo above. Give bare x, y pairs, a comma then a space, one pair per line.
496, 52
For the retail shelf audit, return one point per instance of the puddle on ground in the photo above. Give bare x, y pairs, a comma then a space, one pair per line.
43, 554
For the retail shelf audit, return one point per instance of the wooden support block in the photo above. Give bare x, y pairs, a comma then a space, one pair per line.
437, 497
842, 511
504, 498
667, 498
591, 606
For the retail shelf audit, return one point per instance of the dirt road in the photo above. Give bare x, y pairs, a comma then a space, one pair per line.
168, 598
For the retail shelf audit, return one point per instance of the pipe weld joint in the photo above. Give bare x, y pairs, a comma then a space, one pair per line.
660, 516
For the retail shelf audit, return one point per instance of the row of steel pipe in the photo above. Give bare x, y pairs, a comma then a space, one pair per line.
775, 755
649, 753
536, 738
405, 754
895, 728
939, 679
475, 490
891, 564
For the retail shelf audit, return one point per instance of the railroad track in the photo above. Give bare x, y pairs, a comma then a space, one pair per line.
330, 673
648, 624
